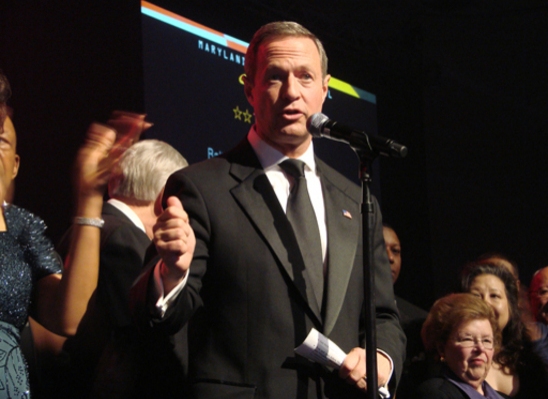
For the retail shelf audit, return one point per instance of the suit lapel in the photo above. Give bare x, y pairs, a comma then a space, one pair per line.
343, 221
257, 198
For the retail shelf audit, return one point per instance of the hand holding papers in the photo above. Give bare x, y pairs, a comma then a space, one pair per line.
320, 349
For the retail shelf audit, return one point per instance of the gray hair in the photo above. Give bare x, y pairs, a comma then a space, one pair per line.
279, 30
143, 170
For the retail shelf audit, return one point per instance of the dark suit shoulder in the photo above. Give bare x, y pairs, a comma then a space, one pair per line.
241, 155
119, 228
439, 388
343, 183
113, 218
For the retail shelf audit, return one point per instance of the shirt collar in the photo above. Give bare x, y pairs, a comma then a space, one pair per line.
126, 210
269, 157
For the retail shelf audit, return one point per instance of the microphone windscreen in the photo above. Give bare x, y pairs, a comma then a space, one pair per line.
315, 123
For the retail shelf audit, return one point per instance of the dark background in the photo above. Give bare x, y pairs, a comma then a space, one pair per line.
464, 84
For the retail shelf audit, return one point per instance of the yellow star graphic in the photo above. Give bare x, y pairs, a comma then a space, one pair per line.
247, 116
237, 113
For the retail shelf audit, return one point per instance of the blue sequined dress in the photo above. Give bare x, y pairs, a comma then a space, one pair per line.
26, 255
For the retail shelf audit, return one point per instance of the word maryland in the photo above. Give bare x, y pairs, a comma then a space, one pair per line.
221, 52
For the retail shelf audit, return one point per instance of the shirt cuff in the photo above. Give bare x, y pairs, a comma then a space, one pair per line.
383, 391
162, 303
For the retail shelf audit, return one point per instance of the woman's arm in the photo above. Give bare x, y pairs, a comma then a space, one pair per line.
62, 301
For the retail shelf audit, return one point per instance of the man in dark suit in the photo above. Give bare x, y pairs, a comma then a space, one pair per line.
247, 294
106, 357
411, 319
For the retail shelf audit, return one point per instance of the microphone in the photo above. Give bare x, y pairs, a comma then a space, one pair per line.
319, 125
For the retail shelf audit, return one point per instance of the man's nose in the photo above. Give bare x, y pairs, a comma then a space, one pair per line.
291, 88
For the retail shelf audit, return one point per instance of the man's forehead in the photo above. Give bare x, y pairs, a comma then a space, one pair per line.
390, 234
281, 46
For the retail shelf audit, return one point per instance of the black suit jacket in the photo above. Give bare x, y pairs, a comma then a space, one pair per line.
439, 388
246, 296
123, 248
107, 357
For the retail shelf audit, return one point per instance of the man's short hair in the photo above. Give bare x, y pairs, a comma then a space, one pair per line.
280, 29
143, 170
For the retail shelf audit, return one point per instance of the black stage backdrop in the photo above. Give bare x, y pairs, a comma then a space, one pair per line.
462, 83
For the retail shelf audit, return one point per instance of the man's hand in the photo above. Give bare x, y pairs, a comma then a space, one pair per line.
175, 242
353, 369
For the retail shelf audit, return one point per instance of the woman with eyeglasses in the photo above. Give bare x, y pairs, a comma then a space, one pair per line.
462, 335
517, 372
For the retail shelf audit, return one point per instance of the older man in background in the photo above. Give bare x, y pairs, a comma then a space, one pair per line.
107, 358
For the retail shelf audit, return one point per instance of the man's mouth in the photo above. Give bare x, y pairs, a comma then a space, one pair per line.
291, 114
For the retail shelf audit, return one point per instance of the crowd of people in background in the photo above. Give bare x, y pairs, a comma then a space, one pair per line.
465, 348
197, 280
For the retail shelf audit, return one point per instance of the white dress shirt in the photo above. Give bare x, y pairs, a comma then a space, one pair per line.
270, 159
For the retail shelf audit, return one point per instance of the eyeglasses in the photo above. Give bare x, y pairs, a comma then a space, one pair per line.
469, 342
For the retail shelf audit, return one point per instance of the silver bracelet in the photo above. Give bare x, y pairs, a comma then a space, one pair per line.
95, 222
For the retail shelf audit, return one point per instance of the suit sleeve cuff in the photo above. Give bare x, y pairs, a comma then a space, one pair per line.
161, 302
383, 391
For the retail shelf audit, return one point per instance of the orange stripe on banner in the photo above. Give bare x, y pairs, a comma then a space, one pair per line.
178, 17
236, 46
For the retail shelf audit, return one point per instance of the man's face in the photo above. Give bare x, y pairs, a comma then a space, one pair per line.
288, 87
538, 296
393, 249
9, 160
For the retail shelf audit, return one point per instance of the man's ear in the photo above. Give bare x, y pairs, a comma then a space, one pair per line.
158, 208
15, 166
325, 86
248, 89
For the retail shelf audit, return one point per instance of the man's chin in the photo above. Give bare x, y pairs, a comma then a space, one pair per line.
293, 127
294, 133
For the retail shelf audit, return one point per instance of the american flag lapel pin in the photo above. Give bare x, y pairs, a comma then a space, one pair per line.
347, 214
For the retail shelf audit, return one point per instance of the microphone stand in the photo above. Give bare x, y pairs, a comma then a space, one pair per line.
366, 159
367, 150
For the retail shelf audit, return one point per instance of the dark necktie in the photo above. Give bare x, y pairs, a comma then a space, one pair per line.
305, 225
